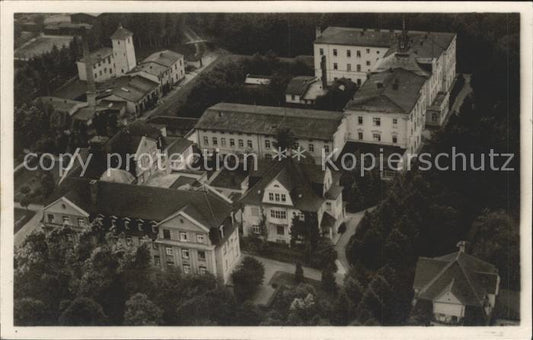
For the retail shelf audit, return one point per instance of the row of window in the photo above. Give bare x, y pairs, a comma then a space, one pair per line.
66, 220
279, 214
349, 66
186, 254
376, 121
275, 197
348, 52
376, 137
186, 267
231, 142
183, 236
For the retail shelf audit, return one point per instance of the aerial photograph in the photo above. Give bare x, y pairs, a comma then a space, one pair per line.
266, 169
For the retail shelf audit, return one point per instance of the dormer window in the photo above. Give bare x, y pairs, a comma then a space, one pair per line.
283, 197
270, 196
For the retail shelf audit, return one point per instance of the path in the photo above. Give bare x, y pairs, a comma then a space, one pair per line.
352, 221
465, 91
33, 224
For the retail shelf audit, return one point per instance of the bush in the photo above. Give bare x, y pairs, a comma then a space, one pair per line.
247, 278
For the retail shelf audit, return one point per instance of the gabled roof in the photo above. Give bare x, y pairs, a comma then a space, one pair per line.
394, 91
132, 88
406, 61
99, 55
164, 58
62, 105
176, 126
266, 120
121, 33
144, 202
299, 85
468, 278
300, 179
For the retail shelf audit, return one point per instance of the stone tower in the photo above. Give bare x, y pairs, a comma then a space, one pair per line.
123, 51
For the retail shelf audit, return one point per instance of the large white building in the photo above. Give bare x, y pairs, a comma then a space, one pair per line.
111, 62
164, 67
244, 129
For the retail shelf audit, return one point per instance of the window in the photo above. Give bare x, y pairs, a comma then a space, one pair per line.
200, 238
170, 263
186, 268
241, 143
249, 143
326, 148
280, 230
321, 51
348, 53
335, 52
202, 270
157, 260
367, 63
185, 253
268, 156
267, 143
270, 196
281, 214
231, 142
358, 82
283, 197
50, 218
394, 139
129, 240
277, 197
358, 53
66, 220
376, 137
311, 148
367, 50
183, 236
335, 66
360, 135
168, 250
256, 229
377, 52
360, 120
215, 141
394, 121
206, 140
376, 121
166, 234
358, 68
81, 222
201, 255
348, 67
223, 141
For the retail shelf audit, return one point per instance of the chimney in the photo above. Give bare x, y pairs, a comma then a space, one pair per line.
93, 187
318, 32
462, 246
324, 72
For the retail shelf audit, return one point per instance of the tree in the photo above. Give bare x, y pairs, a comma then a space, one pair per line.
83, 311
328, 281
285, 139
47, 183
247, 278
299, 273
29, 312
140, 311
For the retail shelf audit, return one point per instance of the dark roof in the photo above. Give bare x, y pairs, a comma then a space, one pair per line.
131, 88
177, 146
98, 55
395, 91
176, 126
299, 85
406, 61
121, 33
144, 202
61, 105
302, 180
467, 277
265, 120
164, 58
386, 38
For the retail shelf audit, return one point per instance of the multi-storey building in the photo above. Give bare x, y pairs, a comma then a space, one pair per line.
189, 229
164, 67
240, 129
111, 62
279, 192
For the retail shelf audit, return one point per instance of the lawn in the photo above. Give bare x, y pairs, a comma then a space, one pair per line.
41, 45
22, 217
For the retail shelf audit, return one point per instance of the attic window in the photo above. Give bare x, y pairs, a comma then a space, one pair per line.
63, 206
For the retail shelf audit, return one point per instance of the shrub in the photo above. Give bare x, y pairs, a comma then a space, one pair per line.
247, 278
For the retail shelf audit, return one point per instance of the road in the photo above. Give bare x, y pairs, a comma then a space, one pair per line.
31, 225
352, 221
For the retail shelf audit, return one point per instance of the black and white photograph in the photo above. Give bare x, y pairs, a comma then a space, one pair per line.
181, 171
